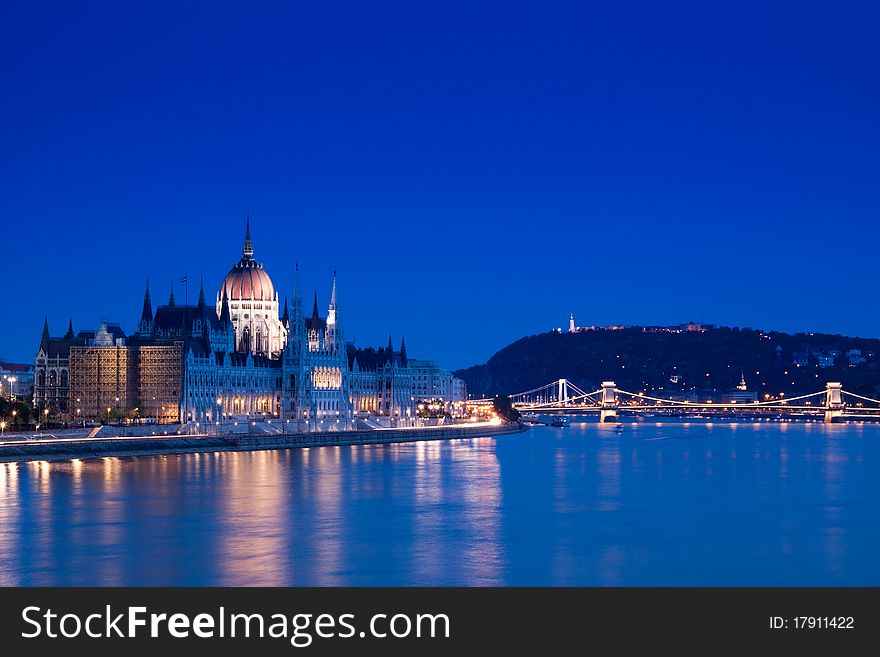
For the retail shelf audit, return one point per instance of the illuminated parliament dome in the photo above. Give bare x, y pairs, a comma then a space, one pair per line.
247, 280
253, 304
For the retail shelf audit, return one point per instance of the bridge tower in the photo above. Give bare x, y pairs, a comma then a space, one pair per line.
833, 401
562, 392
608, 413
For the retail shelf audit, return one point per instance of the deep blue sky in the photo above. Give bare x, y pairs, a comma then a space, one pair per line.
474, 171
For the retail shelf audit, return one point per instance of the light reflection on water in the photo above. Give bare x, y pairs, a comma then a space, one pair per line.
660, 504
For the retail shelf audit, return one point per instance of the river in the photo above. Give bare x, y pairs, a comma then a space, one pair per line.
659, 504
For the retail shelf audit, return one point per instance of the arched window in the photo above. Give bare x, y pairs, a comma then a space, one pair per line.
53, 378
63, 378
259, 341
42, 378
246, 339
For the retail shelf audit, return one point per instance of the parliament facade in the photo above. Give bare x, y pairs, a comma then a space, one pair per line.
235, 357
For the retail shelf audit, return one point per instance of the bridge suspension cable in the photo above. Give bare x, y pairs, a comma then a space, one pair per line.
657, 399
783, 402
547, 386
862, 397
739, 404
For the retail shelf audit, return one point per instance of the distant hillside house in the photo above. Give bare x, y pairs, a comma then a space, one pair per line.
855, 357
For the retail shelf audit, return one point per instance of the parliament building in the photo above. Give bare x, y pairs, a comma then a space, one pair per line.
239, 356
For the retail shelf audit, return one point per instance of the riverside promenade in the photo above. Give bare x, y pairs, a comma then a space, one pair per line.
59, 449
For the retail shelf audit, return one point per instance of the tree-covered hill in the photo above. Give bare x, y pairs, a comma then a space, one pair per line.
677, 362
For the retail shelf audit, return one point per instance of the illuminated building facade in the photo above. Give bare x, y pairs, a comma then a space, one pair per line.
239, 357
315, 379
52, 368
381, 383
102, 380
199, 364
212, 378
741, 395
431, 382
16, 380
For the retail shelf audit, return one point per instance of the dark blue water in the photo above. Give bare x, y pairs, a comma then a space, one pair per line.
761, 504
